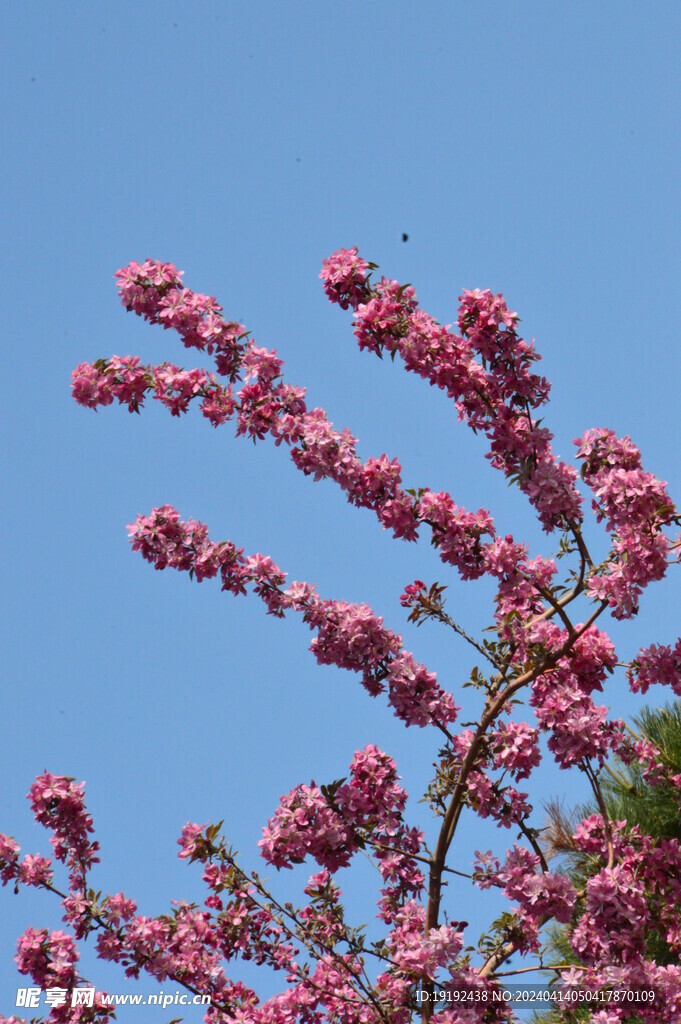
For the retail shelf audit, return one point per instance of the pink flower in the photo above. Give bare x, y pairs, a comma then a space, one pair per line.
635, 507
35, 870
515, 748
58, 803
9, 858
305, 824
345, 275
658, 663
48, 957
90, 387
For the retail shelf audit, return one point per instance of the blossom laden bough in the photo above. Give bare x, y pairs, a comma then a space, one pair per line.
349, 636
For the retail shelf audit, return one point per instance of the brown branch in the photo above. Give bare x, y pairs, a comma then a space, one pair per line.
595, 786
534, 844
493, 709
558, 608
442, 616
541, 967
583, 550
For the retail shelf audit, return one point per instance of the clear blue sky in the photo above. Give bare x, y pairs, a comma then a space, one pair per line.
529, 147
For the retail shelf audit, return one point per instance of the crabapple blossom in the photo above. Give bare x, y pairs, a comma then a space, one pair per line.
540, 893
58, 804
515, 748
659, 663
635, 506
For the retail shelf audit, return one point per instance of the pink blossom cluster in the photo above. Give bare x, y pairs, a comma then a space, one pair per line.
635, 976
58, 804
515, 748
579, 728
561, 698
635, 506
50, 959
592, 658
184, 946
126, 379
541, 895
244, 926
34, 869
154, 291
489, 799
328, 990
412, 594
323, 917
486, 371
375, 802
616, 915
330, 827
345, 277
304, 824
266, 404
592, 835
520, 599
659, 663
9, 859
422, 953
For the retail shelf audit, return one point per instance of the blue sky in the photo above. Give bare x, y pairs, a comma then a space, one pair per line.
531, 148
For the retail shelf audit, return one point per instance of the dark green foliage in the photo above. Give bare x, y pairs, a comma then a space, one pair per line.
656, 810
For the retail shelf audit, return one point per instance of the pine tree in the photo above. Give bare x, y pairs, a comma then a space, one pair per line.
655, 809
